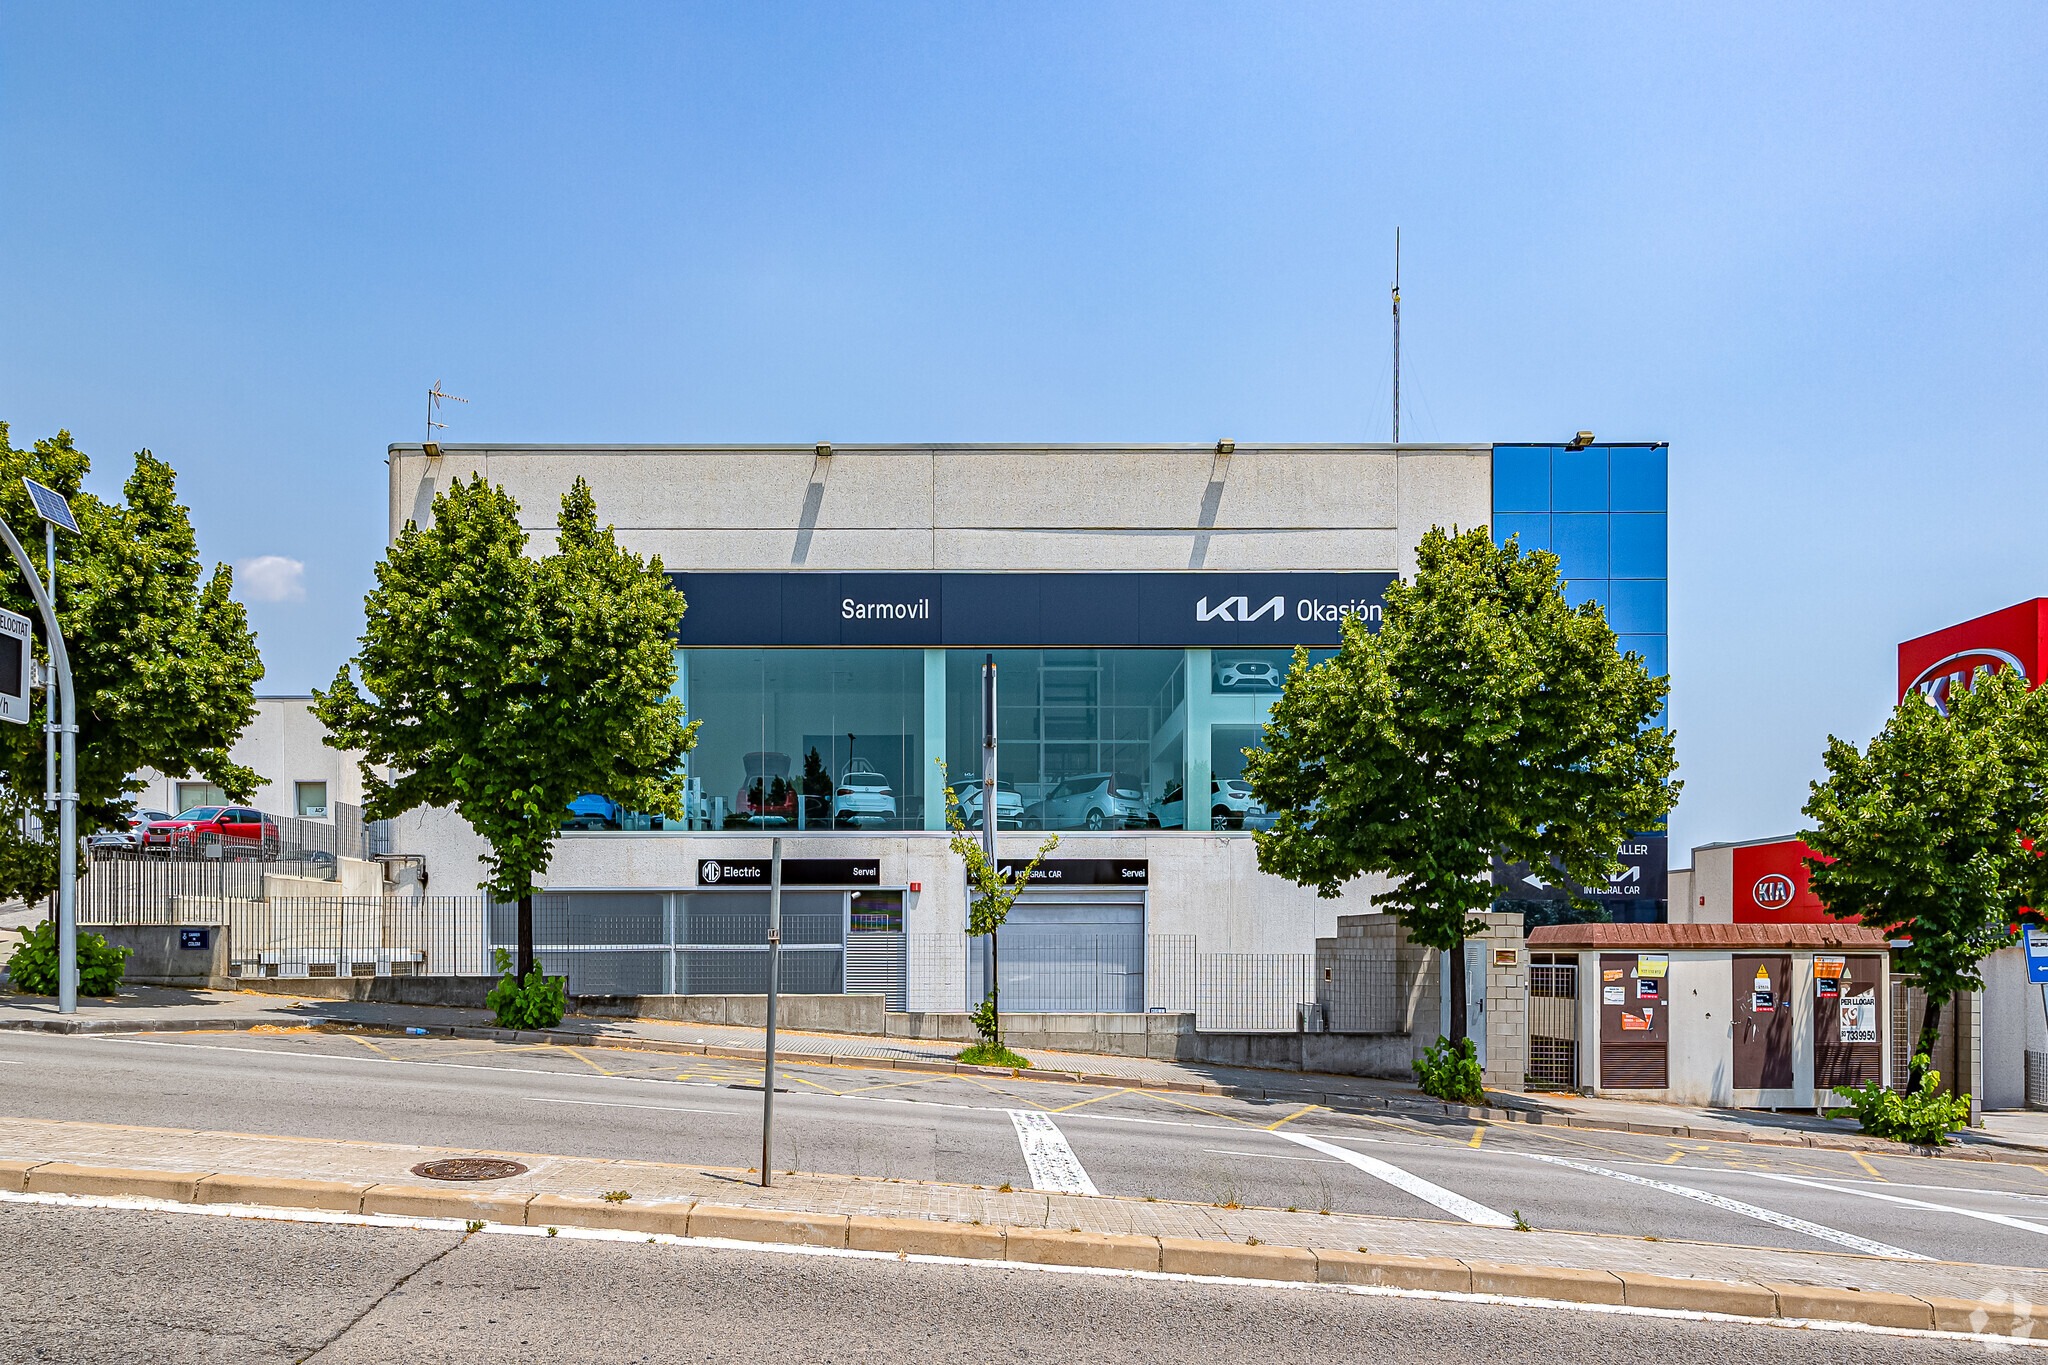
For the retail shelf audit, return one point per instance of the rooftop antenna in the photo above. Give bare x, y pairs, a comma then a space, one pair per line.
434, 397
1397, 336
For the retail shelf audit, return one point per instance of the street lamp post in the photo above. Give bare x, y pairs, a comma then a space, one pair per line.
67, 773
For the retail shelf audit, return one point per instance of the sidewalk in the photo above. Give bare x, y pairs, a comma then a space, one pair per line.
2011, 1136
60, 1158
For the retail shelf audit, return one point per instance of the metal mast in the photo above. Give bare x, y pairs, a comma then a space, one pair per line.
1397, 336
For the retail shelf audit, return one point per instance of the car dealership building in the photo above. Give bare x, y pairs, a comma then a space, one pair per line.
1141, 604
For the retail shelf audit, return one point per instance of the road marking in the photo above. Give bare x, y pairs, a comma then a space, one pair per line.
577, 1053
1478, 1133
1673, 1159
615, 1104
1860, 1161
1047, 1156
1092, 1099
1277, 1156
1469, 1210
1305, 1109
1721, 1201
1998, 1218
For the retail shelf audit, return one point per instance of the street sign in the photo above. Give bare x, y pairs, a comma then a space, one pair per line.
16, 664
2037, 955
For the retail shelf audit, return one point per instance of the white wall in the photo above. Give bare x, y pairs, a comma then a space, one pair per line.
2013, 1022
283, 744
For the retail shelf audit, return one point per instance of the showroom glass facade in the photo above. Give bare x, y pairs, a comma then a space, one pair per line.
1602, 512
852, 740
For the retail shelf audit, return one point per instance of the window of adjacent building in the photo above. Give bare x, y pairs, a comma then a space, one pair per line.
194, 794
310, 798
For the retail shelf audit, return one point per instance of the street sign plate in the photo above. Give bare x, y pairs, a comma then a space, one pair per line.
2037, 955
51, 507
16, 664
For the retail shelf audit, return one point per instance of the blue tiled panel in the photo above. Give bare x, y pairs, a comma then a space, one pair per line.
1578, 480
1651, 647
1638, 480
1580, 539
1638, 544
1533, 531
1635, 606
1577, 590
1521, 478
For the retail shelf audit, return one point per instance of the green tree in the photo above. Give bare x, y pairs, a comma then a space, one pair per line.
503, 687
164, 666
1484, 717
991, 891
1929, 834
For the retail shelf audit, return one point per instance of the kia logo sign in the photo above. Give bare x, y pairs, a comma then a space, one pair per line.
1773, 892
1943, 678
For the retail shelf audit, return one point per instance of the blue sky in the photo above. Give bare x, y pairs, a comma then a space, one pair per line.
1802, 244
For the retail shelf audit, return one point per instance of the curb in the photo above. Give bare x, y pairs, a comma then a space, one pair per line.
1336, 1102
1043, 1246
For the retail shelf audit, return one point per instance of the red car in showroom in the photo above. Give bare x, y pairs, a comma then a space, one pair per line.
213, 832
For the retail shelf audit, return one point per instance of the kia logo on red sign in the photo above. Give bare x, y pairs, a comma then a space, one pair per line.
1943, 678
1774, 891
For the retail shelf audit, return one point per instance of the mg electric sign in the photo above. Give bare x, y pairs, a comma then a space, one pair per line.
1940, 665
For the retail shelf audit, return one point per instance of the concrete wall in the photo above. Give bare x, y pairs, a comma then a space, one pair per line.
283, 744
354, 877
2011, 1023
157, 957
1710, 890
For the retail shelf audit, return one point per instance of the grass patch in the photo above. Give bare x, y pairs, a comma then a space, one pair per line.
981, 1054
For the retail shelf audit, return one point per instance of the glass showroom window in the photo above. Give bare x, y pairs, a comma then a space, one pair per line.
812, 739
1085, 738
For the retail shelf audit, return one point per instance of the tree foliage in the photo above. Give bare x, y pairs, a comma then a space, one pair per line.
1929, 834
991, 891
503, 687
1484, 717
164, 665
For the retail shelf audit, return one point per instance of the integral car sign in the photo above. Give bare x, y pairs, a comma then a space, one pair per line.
15, 656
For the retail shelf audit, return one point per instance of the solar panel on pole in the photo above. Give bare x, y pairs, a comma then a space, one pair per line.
51, 506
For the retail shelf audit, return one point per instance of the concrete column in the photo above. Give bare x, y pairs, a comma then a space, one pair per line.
935, 738
1195, 794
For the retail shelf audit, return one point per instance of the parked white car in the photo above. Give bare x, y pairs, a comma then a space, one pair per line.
127, 840
1249, 675
1093, 801
1231, 806
863, 796
1009, 803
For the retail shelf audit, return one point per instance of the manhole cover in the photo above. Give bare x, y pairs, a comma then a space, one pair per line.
469, 1168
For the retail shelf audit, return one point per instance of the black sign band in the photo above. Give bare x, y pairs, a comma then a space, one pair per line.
752, 872
1084, 871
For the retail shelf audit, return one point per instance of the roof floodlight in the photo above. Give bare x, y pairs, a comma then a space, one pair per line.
1225, 446
824, 449
1580, 441
50, 506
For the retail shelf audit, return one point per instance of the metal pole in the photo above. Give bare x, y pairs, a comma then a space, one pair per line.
774, 985
988, 805
50, 693
67, 795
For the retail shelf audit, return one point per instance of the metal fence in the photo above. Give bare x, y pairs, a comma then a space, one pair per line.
215, 865
1554, 1025
356, 936
1252, 992
653, 943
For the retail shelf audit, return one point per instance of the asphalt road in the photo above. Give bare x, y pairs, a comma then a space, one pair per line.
662, 1107
99, 1287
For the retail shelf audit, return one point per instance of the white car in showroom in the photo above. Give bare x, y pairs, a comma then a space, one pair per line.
1231, 806
1093, 801
1009, 803
1248, 675
863, 797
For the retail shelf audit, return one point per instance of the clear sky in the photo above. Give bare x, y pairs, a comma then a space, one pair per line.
1805, 245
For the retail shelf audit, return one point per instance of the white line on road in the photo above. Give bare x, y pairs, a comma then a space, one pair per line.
1722, 1201
1997, 1218
615, 1104
1277, 1156
1469, 1210
1051, 1161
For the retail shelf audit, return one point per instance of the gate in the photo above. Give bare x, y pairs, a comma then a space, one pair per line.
1554, 1021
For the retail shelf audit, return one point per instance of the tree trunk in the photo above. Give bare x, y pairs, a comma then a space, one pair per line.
995, 983
1458, 993
1930, 1034
525, 935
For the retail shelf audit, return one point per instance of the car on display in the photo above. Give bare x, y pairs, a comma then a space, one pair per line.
115, 842
767, 797
1231, 806
1248, 675
1009, 803
1092, 801
591, 811
863, 796
232, 832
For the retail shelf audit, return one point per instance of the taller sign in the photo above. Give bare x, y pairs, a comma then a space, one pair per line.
1940, 665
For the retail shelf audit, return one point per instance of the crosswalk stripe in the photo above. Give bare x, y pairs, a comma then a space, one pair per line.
1469, 1210
1047, 1156
1722, 1201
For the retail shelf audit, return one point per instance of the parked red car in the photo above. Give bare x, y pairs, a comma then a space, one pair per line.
213, 832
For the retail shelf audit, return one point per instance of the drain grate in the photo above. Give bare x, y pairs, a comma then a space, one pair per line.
469, 1168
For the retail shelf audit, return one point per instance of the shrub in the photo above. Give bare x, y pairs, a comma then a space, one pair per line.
1451, 1072
538, 1002
1924, 1117
33, 968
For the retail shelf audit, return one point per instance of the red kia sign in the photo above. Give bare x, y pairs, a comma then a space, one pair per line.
1770, 885
1940, 665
